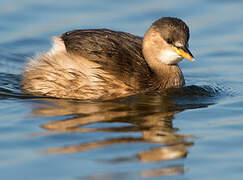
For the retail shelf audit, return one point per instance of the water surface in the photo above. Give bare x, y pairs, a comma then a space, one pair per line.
190, 133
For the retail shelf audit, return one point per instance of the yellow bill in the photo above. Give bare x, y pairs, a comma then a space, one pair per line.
184, 52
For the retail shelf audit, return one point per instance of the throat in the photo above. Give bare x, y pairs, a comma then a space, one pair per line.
168, 76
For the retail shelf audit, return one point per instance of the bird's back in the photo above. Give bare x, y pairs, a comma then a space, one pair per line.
90, 64
118, 53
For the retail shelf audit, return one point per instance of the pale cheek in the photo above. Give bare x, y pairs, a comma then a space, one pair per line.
169, 57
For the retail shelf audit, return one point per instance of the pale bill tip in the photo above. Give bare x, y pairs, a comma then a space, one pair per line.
193, 59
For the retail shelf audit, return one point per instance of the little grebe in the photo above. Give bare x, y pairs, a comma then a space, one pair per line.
105, 64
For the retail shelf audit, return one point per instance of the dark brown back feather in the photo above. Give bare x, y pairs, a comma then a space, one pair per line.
118, 53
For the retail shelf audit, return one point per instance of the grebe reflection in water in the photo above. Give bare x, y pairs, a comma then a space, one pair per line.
106, 64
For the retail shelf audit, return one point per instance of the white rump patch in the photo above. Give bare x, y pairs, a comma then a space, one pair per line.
57, 46
169, 57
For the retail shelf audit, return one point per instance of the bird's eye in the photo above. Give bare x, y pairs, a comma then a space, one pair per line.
169, 41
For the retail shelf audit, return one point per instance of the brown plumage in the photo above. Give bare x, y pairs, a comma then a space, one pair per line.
105, 64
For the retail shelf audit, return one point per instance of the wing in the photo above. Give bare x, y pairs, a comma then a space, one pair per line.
118, 53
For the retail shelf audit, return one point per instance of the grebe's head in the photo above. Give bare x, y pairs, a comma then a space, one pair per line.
166, 41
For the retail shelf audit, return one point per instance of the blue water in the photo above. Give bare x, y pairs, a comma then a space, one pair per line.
190, 133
